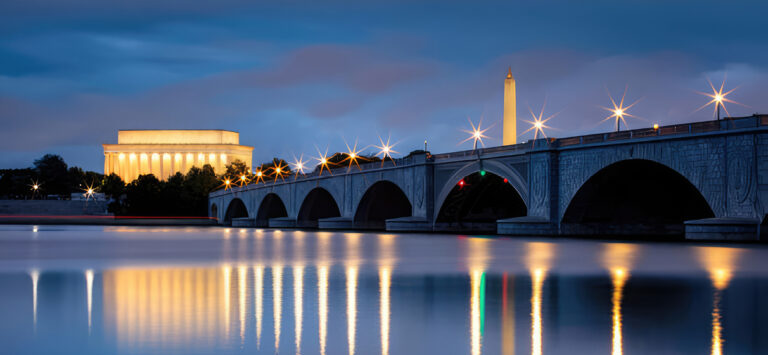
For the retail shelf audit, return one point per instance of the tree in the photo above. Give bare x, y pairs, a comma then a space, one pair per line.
52, 171
236, 169
198, 183
142, 196
112, 186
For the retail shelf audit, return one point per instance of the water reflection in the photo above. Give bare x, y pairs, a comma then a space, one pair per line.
277, 302
172, 307
298, 287
298, 303
508, 315
382, 290
353, 255
539, 259
386, 263
258, 298
720, 264
89, 296
242, 274
477, 309
323, 261
479, 256
322, 305
35, 276
619, 277
226, 288
618, 258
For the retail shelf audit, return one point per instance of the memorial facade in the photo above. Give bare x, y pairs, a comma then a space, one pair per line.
163, 153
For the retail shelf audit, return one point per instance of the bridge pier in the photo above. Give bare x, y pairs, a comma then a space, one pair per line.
727, 228
526, 226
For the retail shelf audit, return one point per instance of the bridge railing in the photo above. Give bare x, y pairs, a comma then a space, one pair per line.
685, 128
678, 129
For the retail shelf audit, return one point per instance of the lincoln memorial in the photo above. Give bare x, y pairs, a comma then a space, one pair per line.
163, 153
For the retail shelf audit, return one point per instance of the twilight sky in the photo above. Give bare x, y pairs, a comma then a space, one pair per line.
291, 75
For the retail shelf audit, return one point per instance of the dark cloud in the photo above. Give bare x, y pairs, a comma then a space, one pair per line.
292, 75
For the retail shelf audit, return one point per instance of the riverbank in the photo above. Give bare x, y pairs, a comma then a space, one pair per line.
107, 220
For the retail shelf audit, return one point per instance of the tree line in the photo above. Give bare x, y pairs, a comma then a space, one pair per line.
180, 195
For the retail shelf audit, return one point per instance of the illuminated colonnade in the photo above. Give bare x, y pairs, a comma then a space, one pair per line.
163, 153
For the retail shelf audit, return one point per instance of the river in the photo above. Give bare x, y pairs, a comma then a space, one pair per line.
176, 290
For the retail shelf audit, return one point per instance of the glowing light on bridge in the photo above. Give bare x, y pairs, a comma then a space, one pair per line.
298, 165
718, 98
243, 180
385, 150
353, 154
619, 111
539, 122
259, 175
476, 134
279, 169
322, 160
227, 183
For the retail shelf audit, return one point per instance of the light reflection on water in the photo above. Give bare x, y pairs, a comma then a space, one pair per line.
393, 294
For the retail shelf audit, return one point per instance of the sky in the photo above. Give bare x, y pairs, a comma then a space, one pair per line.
293, 76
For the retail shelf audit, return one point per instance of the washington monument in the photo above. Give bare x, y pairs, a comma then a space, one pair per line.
510, 110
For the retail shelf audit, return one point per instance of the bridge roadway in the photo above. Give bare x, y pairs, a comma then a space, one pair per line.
704, 180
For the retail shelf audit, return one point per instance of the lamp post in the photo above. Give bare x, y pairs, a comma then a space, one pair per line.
718, 103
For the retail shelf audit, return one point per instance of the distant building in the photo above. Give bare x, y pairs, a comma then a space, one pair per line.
163, 153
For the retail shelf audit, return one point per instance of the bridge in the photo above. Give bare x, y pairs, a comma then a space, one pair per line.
704, 180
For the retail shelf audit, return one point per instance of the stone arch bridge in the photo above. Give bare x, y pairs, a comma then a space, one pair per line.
707, 180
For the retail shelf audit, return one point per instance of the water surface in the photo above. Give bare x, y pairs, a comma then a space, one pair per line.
132, 290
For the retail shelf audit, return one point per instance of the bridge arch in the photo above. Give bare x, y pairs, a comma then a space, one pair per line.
271, 206
382, 201
477, 200
319, 203
236, 209
634, 196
